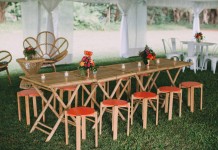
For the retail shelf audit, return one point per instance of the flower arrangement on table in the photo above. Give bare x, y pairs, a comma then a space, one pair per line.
199, 37
29, 52
147, 54
87, 63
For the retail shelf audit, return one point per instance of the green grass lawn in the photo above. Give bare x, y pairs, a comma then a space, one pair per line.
198, 130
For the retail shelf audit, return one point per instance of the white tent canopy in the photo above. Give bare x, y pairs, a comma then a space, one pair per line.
133, 17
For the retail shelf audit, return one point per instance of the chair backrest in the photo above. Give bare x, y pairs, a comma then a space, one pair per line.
167, 48
5, 59
175, 44
215, 50
47, 46
172, 45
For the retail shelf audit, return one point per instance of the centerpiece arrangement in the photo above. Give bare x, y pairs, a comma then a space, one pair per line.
147, 54
87, 63
199, 37
29, 52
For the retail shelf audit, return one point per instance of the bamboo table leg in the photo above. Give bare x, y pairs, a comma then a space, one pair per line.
173, 80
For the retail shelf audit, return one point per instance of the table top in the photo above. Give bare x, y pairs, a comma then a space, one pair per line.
105, 73
200, 43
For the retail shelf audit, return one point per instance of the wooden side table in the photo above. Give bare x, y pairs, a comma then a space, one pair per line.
29, 67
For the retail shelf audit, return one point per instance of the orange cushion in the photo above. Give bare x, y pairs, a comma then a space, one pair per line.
28, 92
189, 84
142, 95
81, 111
114, 102
169, 89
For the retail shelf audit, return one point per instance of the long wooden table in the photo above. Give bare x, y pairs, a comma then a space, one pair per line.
55, 80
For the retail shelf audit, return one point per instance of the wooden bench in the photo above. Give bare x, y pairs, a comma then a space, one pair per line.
48, 47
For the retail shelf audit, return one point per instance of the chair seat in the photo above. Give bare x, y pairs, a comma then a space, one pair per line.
169, 89
48, 61
189, 84
142, 95
81, 111
28, 92
114, 102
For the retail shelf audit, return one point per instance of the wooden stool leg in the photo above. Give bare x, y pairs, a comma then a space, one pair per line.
192, 99
128, 119
96, 130
83, 128
35, 107
19, 109
78, 136
180, 104
157, 108
189, 96
201, 100
166, 102
27, 110
170, 106
145, 111
66, 128
100, 119
112, 119
132, 110
115, 122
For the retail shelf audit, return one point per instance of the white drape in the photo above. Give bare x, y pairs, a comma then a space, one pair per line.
124, 6
137, 25
197, 9
29, 18
50, 6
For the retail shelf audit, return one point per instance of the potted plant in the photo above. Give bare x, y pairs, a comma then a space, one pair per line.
86, 64
147, 54
29, 52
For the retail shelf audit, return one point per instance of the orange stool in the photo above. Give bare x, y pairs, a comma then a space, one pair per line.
191, 86
115, 104
169, 91
28, 93
143, 98
77, 114
69, 89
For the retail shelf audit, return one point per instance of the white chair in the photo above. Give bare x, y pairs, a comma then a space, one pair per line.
213, 57
191, 56
172, 47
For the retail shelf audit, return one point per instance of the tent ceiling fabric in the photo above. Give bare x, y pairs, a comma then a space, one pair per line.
158, 3
33, 9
